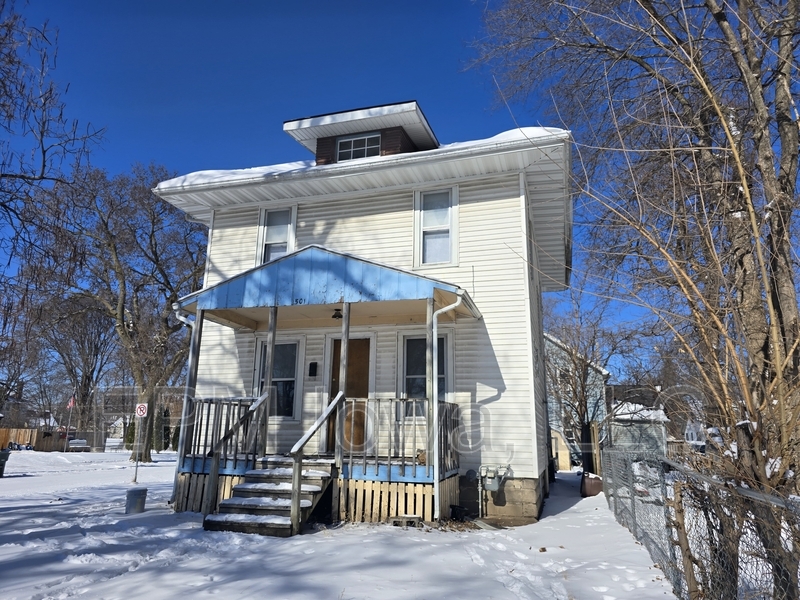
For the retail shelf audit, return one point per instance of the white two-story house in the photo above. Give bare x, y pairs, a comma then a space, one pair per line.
403, 273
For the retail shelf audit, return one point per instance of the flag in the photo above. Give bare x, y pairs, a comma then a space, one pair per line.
71, 403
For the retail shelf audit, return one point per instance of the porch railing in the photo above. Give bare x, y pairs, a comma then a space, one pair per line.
223, 436
240, 439
388, 439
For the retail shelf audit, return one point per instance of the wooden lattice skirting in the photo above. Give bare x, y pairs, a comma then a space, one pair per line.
379, 501
192, 487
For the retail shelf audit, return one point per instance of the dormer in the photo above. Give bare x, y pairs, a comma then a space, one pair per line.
364, 132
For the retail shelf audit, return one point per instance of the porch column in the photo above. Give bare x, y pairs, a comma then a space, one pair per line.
187, 429
429, 383
340, 412
269, 348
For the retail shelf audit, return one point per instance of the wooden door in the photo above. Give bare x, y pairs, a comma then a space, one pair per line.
357, 387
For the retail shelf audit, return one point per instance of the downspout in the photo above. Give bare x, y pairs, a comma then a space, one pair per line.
183, 317
435, 394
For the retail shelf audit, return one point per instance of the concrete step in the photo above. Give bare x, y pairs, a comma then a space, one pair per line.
309, 462
281, 489
284, 475
274, 525
262, 506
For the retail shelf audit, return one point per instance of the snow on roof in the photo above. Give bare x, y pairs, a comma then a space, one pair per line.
628, 411
514, 137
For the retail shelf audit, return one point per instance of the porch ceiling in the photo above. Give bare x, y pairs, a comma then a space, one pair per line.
308, 284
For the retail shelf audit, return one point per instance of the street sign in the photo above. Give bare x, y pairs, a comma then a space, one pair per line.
141, 410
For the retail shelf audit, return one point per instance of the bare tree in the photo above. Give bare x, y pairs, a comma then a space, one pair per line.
38, 140
82, 337
583, 340
19, 351
689, 130
132, 255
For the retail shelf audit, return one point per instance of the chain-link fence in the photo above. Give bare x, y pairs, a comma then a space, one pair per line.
712, 540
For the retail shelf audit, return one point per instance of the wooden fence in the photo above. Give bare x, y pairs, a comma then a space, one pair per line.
19, 436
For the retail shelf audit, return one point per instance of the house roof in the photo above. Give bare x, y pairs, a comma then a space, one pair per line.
629, 411
530, 151
316, 275
407, 115
559, 344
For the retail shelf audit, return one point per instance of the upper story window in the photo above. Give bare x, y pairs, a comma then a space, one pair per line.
277, 237
358, 146
435, 227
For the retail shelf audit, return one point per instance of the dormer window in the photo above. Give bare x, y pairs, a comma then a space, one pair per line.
358, 146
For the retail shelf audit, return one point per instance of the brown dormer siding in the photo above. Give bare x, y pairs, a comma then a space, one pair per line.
326, 151
393, 141
396, 141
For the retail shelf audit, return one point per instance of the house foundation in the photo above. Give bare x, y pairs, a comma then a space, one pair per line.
518, 501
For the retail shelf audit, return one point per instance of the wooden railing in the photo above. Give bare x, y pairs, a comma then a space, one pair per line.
386, 437
449, 417
223, 434
297, 458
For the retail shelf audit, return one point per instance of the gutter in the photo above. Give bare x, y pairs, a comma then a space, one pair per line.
370, 165
435, 400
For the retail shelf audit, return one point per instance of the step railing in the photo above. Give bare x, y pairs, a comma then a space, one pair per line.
297, 458
240, 441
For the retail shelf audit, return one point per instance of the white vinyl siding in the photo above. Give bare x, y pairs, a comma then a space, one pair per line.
491, 356
232, 242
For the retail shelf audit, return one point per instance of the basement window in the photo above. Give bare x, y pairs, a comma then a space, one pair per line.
359, 146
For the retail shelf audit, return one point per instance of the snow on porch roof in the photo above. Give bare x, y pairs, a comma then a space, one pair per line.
318, 275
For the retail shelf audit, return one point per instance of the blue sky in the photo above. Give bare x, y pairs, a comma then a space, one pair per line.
207, 85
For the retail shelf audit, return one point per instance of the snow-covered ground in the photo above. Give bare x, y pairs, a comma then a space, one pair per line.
64, 534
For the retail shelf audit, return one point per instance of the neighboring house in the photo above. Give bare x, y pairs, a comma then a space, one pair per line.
352, 272
575, 398
638, 428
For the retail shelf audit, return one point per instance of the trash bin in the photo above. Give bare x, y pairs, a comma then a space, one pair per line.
135, 501
4, 454
591, 484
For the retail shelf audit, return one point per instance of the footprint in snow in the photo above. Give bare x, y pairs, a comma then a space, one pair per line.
499, 546
520, 555
476, 558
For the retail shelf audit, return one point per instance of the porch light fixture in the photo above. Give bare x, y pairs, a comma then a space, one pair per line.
337, 313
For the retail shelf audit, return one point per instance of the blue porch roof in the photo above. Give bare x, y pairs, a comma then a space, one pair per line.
316, 275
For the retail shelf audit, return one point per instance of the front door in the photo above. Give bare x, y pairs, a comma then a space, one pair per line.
357, 387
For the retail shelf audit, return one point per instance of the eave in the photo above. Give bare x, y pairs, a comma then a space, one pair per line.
199, 195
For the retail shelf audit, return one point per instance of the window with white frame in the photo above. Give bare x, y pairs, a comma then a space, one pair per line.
277, 234
435, 227
414, 372
358, 146
284, 377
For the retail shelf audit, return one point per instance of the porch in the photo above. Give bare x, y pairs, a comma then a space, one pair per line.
380, 470
388, 456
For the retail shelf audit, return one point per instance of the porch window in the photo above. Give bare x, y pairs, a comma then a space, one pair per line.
278, 230
435, 227
359, 146
284, 378
415, 368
